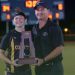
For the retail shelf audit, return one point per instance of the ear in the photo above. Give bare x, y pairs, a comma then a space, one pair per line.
13, 23
48, 11
25, 21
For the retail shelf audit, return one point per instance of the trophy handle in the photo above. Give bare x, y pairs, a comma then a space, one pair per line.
16, 61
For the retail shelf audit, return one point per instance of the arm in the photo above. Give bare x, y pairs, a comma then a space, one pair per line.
57, 51
4, 58
3, 46
57, 43
7, 60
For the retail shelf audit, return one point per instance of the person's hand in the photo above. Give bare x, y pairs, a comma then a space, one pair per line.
16, 64
39, 61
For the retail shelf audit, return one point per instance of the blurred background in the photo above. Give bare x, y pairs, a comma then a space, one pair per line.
62, 12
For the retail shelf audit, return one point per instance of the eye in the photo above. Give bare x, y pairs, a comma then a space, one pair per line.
16, 18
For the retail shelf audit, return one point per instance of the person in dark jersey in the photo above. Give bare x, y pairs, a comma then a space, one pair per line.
49, 43
17, 44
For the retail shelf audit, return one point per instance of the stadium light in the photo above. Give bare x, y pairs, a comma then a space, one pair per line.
50, 16
5, 8
57, 15
34, 3
8, 16
28, 4
60, 6
31, 3
66, 30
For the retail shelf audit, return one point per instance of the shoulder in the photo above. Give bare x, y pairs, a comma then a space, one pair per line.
7, 35
54, 27
34, 29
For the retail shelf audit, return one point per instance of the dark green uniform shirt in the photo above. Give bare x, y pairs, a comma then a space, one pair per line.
6, 45
47, 39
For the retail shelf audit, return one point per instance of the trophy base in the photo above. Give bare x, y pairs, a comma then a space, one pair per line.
26, 60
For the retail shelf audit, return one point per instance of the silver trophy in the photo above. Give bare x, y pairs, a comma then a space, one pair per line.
27, 51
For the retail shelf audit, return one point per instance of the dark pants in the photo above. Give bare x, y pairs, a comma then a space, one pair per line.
22, 70
50, 69
27, 72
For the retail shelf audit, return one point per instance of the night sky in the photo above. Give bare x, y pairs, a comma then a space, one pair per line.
69, 21
69, 6
69, 9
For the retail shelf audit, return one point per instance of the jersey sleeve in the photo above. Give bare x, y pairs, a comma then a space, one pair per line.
4, 42
57, 36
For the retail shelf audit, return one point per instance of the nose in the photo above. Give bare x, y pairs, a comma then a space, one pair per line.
19, 19
40, 12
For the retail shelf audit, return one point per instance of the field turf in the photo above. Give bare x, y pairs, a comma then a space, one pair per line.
68, 59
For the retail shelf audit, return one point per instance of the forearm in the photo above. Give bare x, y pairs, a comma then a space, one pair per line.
4, 58
57, 51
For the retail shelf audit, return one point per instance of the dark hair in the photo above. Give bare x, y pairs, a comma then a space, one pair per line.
20, 13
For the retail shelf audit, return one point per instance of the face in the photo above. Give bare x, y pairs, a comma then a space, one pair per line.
41, 13
19, 21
